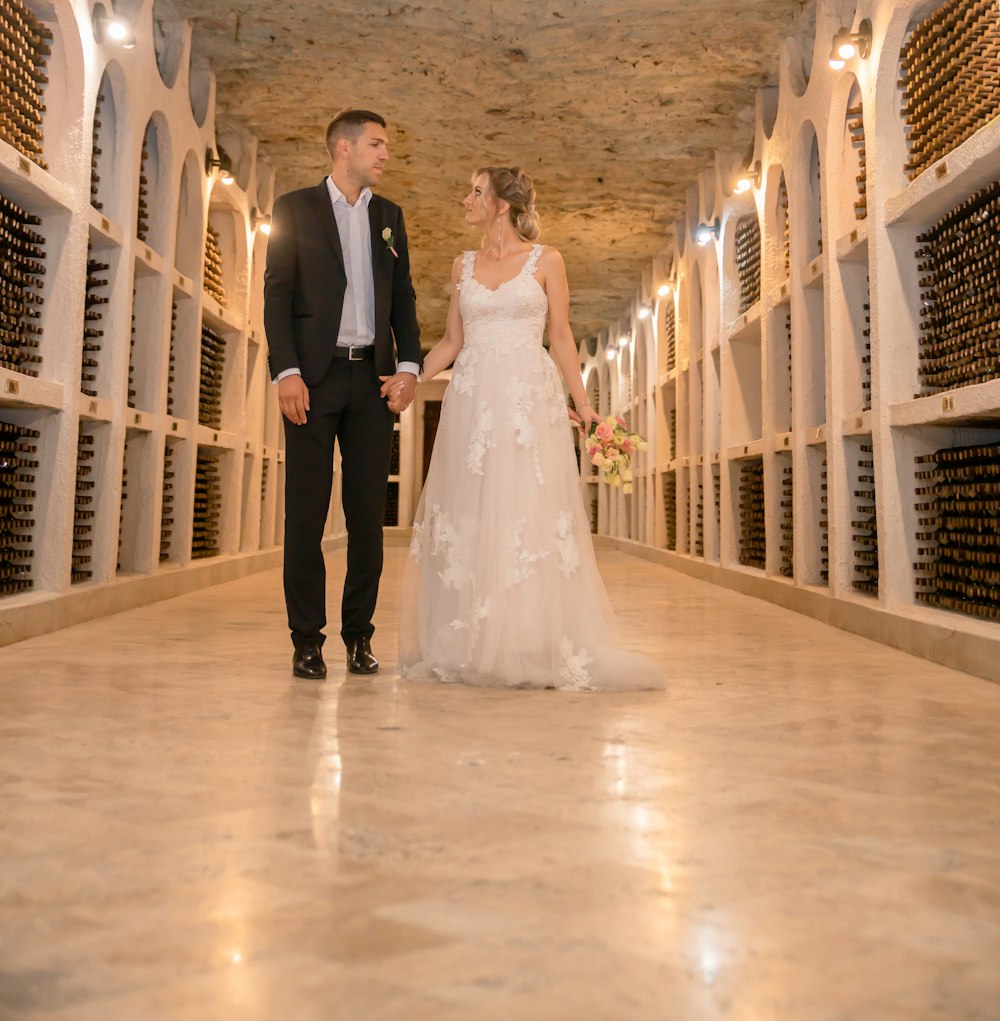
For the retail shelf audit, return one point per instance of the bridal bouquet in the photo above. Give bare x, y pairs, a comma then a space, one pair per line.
610, 447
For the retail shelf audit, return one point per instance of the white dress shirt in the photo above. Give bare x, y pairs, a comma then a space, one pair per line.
357, 320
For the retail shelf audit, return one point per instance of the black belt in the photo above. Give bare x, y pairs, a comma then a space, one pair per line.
355, 354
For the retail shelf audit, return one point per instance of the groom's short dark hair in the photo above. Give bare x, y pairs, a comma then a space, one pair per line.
349, 125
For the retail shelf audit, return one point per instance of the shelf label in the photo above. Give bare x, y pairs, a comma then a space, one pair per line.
854, 236
786, 441
215, 437
149, 255
13, 386
784, 290
138, 418
93, 407
746, 450
859, 422
941, 170
105, 225
24, 165
181, 280
947, 403
248, 446
173, 427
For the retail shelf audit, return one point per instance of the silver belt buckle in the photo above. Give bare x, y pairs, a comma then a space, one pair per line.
350, 354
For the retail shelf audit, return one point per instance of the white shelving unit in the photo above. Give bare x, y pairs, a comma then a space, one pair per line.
790, 383
137, 545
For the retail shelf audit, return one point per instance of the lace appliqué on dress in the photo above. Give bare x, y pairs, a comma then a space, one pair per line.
520, 561
523, 399
417, 541
482, 439
444, 543
569, 555
575, 664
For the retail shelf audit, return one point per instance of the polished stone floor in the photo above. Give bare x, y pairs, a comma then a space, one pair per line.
804, 826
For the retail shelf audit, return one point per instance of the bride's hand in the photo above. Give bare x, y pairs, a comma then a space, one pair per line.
585, 417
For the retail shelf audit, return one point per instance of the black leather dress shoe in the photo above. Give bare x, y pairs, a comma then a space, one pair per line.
308, 662
359, 656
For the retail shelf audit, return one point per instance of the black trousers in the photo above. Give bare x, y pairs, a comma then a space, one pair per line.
345, 406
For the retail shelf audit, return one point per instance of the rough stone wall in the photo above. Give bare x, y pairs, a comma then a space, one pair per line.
613, 107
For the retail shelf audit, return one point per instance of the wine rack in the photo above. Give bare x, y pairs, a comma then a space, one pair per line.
98, 295
207, 506
959, 260
22, 254
172, 364
753, 542
717, 497
958, 538
670, 508
121, 507
593, 514
784, 218
142, 204
394, 453
699, 516
95, 153
866, 358
856, 129
824, 525
167, 516
25, 42
673, 433
949, 68
83, 508
783, 384
669, 335
18, 468
747, 246
787, 519
131, 352
391, 517
214, 284
213, 360
864, 525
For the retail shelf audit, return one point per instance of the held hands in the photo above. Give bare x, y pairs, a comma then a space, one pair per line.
293, 399
399, 390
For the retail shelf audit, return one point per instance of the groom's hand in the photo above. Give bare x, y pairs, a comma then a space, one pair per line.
293, 399
399, 390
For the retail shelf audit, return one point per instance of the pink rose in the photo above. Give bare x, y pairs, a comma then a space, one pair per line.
621, 422
603, 431
627, 448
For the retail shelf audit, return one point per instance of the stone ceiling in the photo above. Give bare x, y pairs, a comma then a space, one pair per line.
613, 107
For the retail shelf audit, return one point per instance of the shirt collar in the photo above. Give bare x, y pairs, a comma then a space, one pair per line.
336, 195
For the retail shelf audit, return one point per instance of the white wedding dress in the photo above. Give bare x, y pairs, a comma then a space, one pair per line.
501, 587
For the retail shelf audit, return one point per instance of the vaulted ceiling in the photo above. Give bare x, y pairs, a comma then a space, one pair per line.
613, 107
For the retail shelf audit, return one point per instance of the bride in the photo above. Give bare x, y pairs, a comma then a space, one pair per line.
501, 587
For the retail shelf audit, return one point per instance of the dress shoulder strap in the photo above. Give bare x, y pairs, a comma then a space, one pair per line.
468, 258
532, 262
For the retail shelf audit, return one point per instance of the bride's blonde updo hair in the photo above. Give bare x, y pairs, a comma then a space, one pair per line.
513, 186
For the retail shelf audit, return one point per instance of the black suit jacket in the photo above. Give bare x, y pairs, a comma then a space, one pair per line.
305, 282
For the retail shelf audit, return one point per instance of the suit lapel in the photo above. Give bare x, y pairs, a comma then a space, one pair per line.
325, 215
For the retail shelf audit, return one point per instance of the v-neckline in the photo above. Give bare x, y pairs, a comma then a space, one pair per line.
503, 283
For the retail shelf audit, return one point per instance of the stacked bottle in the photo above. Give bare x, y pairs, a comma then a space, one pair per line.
25, 44
83, 509
18, 467
22, 255
753, 539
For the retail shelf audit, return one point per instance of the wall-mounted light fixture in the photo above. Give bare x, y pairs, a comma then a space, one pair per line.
664, 290
706, 232
222, 163
611, 354
847, 44
261, 220
750, 179
624, 340
643, 312
110, 28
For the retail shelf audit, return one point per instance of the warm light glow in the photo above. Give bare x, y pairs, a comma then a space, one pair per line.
237, 957
265, 227
704, 234
743, 185
611, 354
643, 312
837, 65
847, 51
118, 30
663, 290
227, 178
623, 340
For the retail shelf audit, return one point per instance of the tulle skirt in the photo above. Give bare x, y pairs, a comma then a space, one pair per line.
501, 587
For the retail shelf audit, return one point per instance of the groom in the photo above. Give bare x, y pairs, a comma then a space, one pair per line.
337, 293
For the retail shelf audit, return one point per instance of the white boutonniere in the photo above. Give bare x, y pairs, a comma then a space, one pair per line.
389, 241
